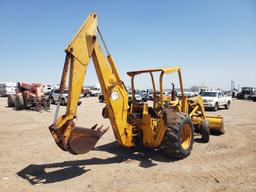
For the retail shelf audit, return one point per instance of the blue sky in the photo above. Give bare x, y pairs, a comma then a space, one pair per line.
213, 41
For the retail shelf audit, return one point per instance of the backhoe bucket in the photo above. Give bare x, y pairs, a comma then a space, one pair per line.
82, 140
216, 124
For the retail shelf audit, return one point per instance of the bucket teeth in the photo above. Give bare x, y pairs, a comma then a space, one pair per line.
100, 130
103, 131
94, 127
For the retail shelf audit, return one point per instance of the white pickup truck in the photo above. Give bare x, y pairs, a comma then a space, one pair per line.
54, 97
215, 99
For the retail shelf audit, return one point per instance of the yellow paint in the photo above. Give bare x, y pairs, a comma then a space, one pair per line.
124, 120
186, 136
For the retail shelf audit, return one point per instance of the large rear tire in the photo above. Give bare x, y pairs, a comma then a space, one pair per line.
25, 101
19, 102
11, 100
179, 137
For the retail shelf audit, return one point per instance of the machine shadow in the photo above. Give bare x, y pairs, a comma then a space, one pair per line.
38, 174
144, 155
61, 171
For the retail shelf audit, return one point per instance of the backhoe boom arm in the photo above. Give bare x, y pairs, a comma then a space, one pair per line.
84, 46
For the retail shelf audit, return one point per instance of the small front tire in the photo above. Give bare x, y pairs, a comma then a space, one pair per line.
205, 131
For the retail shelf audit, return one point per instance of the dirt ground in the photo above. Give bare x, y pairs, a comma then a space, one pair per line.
31, 161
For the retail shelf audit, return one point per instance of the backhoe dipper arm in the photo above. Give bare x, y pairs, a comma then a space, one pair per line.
78, 53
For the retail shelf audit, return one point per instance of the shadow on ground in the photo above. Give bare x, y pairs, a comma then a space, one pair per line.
57, 172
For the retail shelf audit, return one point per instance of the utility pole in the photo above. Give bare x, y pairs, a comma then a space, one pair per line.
232, 85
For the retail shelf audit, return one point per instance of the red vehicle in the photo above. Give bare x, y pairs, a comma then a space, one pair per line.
86, 92
29, 96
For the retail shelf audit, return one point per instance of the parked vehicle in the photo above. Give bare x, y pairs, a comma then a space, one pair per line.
188, 94
86, 92
29, 96
101, 99
54, 97
47, 89
247, 93
151, 95
138, 98
95, 91
234, 93
215, 99
7, 88
253, 97
144, 96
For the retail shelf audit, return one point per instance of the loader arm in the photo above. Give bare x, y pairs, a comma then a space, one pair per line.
80, 50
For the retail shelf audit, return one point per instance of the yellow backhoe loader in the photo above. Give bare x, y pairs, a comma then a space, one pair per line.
169, 124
